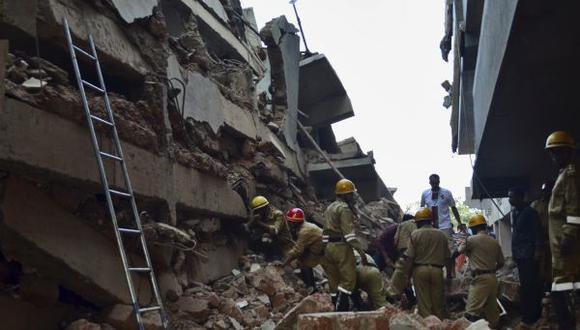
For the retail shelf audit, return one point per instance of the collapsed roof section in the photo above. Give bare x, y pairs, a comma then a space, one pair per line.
322, 97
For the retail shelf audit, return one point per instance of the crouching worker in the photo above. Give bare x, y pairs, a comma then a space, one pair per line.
308, 249
369, 280
269, 228
485, 258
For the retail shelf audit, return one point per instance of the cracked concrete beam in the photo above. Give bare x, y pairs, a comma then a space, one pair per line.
131, 10
44, 142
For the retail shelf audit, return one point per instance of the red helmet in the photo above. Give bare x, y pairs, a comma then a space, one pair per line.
295, 215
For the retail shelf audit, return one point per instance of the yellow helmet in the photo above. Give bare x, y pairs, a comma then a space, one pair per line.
344, 186
476, 220
423, 214
259, 202
560, 139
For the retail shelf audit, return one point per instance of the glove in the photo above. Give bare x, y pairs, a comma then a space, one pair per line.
565, 246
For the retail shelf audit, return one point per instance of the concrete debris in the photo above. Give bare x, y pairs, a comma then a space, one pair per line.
83, 324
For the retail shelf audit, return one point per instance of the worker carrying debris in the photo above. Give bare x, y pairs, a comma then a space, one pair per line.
270, 228
308, 249
399, 283
427, 254
564, 226
340, 239
369, 280
485, 258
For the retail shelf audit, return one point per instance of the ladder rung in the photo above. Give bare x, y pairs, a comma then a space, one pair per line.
129, 230
107, 155
100, 120
120, 193
140, 270
149, 309
82, 51
88, 84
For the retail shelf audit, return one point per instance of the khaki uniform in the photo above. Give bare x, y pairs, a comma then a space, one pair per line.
398, 280
564, 214
429, 252
308, 248
340, 238
370, 280
278, 229
485, 257
545, 261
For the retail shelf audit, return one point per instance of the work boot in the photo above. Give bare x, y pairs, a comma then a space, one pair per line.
308, 278
564, 312
357, 302
343, 302
410, 295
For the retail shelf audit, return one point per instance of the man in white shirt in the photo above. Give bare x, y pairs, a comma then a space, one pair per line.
440, 200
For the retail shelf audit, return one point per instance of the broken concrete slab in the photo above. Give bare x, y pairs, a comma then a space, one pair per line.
15, 19
71, 252
32, 138
217, 8
116, 51
316, 303
222, 258
215, 31
284, 55
132, 10
3, 62
253, 38
325, 103
376, 320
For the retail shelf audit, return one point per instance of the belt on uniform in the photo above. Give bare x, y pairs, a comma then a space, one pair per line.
429, 265
335, 240
481, 272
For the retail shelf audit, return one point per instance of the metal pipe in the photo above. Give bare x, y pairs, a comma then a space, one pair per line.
293, 3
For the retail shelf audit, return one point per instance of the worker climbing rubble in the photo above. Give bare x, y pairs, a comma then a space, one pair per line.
564, 226
308, 249
485, 258
398, 283
340, 239
369, 280
427, 254
270, 229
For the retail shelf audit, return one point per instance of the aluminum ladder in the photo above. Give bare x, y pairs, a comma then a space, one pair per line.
117, 156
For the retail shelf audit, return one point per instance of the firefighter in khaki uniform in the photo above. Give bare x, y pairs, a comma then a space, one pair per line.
340, 239
564, 227
308, 248
398, 282
485, 258
427, 254
273, 227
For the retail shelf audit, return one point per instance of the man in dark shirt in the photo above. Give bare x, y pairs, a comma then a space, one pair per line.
527, 245
384, 251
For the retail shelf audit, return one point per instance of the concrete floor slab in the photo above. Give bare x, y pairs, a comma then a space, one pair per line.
39, 233
46, 143
131, 10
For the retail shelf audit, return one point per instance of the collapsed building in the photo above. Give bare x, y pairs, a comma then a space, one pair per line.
210, 111
514, 68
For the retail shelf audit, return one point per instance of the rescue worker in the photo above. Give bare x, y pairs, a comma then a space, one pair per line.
427, 254
399, 283
545, 259
564, 227
369, 280
272, 226
485, 258
308, 249
340, 238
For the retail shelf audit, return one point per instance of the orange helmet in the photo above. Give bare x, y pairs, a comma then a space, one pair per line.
560, 139
295, 215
